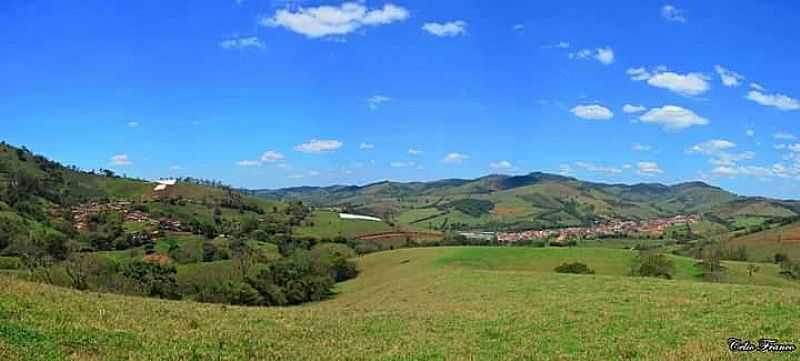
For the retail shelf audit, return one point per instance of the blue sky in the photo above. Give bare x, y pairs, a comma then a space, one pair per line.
267, 94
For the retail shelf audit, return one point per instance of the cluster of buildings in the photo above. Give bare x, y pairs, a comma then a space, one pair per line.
81, 216
653, 227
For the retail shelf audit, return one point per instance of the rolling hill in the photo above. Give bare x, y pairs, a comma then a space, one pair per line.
536, 200
423, 304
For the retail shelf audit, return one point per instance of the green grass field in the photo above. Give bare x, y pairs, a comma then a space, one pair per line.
418, 304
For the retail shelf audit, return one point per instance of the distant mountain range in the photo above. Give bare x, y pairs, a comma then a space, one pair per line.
535, 200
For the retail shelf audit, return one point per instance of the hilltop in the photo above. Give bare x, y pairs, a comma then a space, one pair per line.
533, 201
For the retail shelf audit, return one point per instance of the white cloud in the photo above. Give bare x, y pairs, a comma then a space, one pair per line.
501, 165
638, 74
750, 132
121, 160
413, 151
242, 43
403, 164
648, 168
322, 21
785, 136
366, 146
728, 77
630, 108
779, 101
449, 29
689, 84
671, 13
248, 163
673, 117
453, 158
272, 156
758, 87
713, 146
319, 145
719, 155
684, 84
518, 27
376, 101
603, 55
591, 167
593, 112
642, 147
558, 45
725, 171
133, 124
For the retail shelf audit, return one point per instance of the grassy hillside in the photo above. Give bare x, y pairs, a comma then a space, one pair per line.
536, 200
764, 245
417, 304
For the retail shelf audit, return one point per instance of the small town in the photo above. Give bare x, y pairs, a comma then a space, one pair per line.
651, 228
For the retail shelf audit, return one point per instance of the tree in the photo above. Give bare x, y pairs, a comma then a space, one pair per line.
79, 267
40, 251
651, 264
712, 265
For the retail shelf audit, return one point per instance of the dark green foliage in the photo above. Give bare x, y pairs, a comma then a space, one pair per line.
155, 280
651, 264
575, 267
781, 258
472, 207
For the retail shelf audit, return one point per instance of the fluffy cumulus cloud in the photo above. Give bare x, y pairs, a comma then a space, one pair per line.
780, 101
448, 29
728, 77
318, 146
323, 21
120, 160
689, 84
242, 43
673, 117
592, 112
374, 102
630, 108
366, 146
648, 168
673, 14
603, 55
454, 158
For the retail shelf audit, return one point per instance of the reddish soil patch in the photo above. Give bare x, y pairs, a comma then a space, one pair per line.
159, 258
507, 211
387, 236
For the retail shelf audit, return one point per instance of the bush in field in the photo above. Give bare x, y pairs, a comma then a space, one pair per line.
155, 280
575, 267
651, 264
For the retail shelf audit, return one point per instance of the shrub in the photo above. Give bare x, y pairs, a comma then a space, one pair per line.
649, 264
574, 267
